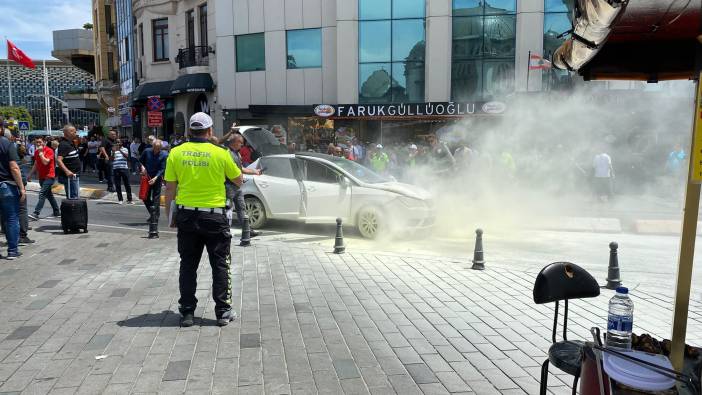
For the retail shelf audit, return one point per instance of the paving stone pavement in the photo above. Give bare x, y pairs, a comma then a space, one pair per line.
78, 318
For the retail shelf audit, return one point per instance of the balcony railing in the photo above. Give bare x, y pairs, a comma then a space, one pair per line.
194, 56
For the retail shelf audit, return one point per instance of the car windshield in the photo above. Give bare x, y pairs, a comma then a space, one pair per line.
361, 172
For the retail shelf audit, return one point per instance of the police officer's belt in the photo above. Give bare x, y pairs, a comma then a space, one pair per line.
204, 209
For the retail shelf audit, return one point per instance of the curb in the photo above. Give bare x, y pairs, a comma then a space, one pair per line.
85, 193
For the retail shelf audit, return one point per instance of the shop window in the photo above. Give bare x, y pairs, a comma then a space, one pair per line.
304, 48
250, 52
483, 49
277, 167
391, 51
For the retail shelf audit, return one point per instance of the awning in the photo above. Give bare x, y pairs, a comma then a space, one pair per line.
188, 83
143, 91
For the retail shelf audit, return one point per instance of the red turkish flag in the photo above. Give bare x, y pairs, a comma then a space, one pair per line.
16, 55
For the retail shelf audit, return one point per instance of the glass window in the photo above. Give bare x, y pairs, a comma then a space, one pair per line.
374, 9
277, 167
493, 7
407, 40
499, 35
203, 25
304, 48
408, 9
467, 7
466, 80
558, 5
374, 41
467, 37
250, 52
318, 172
409, 82
375, 82
498, 78
555, 25
190, 28
160, 39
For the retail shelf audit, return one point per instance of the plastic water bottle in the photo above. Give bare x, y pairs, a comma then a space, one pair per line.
620, 320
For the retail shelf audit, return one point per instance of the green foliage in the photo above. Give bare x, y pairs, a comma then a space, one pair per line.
16, 113
88, 26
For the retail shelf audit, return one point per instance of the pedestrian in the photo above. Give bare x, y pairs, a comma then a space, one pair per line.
120, 172
134, 154
69, 163
197, 170
153, 165
106, 155
379, 160
44, 161
83, 152
234, 193
23, 212
604, 176
12, 192
93, 146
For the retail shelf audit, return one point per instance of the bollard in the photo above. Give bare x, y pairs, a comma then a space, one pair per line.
478, 259
613, 278
245, 233
339, 247
153, 224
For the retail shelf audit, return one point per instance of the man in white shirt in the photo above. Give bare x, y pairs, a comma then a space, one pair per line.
604, 174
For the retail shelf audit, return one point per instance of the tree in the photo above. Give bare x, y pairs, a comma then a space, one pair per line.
88, 26
16, 113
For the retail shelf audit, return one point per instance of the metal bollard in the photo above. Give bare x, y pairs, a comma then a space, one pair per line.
339, 247
478, 259
613, 278
245, 233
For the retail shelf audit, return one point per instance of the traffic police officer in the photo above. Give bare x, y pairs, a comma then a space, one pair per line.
197, 170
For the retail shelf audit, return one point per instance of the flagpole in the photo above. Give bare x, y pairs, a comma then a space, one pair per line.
9, 83
46, 99
528, 69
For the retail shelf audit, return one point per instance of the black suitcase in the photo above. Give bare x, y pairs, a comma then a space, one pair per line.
74, 215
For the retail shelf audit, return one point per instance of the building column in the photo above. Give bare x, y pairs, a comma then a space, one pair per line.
530, 37
437, 63
347, 51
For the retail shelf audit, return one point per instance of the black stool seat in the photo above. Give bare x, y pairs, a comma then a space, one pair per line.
567, 356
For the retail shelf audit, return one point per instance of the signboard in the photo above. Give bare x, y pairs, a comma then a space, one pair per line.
24, 126
154, 119
154, 103
408, 110
111, 110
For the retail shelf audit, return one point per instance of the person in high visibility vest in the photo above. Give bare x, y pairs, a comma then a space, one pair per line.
379, 159
197, 171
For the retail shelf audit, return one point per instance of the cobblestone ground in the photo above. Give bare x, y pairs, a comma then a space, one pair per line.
98, 313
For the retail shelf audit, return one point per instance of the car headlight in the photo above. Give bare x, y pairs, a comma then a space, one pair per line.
411, 202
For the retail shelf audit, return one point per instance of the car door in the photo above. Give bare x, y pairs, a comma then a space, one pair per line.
326, 197
280, 189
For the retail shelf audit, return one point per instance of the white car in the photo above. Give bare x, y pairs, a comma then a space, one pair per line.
317, 188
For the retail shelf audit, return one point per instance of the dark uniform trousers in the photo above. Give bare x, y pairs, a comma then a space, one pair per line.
199, 229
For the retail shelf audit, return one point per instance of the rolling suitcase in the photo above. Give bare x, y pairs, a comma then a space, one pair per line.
74, 213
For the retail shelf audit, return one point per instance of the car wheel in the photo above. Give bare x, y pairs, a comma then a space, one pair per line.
255, 211
369, 222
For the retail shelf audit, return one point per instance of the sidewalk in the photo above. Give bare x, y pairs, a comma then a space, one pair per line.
91, 188
105, 320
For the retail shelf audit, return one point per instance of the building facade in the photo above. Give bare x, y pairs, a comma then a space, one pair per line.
107, 77
277, 59
65, 81
125, 59
175, 61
